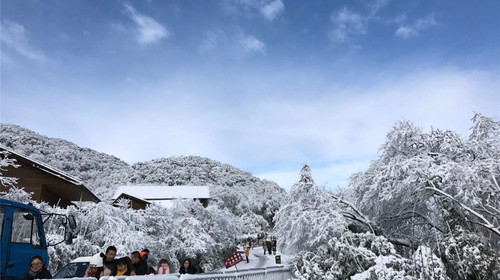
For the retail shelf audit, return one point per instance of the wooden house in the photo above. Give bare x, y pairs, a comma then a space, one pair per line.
166, 195
45, 182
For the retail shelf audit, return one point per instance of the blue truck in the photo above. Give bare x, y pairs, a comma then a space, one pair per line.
23, 237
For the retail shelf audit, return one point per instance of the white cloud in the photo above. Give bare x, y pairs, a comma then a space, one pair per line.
150, 31
269, 9
411, 30
375, 6
251, 44
273, 9
346, 24
238, 45
15, 36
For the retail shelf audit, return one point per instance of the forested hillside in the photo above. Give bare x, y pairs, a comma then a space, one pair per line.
100, 172
231, 188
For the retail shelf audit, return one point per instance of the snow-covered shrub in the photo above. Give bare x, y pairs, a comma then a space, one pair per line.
388, 268
359, 256
466, 257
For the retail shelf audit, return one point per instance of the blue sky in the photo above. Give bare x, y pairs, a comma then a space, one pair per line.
264, 85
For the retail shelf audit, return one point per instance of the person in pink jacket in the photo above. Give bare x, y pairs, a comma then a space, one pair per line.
164, 267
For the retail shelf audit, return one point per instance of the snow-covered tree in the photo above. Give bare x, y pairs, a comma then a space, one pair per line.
322, 231
426, 186
308, 218
5, 162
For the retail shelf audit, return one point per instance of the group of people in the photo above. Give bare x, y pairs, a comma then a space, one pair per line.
270, 245
106, 264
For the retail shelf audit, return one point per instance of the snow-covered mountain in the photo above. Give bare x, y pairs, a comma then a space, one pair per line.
99, 171
232, 188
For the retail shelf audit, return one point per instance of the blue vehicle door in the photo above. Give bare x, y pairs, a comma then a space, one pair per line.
26, 239
5, 242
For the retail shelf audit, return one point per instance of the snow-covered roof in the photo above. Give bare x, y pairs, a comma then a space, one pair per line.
49, 169
164, 192
87, 193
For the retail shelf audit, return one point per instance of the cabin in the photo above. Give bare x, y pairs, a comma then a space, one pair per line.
165, 195
134, 202
47, 183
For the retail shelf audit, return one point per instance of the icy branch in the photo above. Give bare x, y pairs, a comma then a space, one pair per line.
361, 218
485, 223
495, 181
412, 214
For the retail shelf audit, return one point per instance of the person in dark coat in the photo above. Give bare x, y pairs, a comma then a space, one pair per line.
140, 266
144, 254
187, 267
37, 270
109, 261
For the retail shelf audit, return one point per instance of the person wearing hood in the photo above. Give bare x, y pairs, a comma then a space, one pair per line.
96, 268
37, 270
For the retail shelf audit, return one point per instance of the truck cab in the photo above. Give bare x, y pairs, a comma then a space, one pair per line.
22, 236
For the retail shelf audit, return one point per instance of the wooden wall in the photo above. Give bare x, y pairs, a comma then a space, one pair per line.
45, 186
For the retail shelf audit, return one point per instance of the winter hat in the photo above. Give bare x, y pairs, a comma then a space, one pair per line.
96, 261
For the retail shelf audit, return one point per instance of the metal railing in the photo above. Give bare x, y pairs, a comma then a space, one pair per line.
270, 273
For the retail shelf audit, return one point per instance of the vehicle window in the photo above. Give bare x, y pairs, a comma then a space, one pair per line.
35, 234
25, 228
72, 270
2, 215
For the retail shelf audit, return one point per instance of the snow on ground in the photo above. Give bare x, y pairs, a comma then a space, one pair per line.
257, 259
